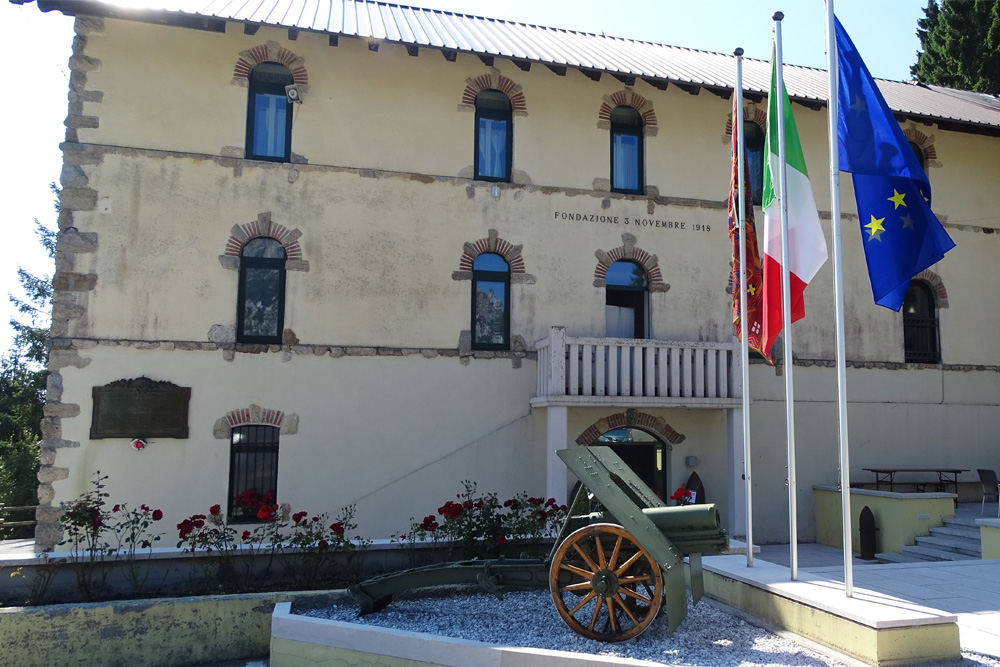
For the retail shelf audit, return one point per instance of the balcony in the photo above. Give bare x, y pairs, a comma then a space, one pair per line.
636, 373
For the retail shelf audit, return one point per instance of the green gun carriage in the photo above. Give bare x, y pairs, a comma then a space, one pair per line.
609, 571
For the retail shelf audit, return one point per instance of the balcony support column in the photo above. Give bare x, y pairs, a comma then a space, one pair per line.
556, 438
737, 502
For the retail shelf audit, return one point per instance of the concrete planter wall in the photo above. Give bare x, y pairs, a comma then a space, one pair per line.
989, 532
152, 633
899, 517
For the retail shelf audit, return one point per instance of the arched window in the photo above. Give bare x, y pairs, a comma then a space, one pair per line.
494, 136
626, 150
626, 301
253, 470
269, 116
920, 325
490, 303
753, 148
260, 315
919, 152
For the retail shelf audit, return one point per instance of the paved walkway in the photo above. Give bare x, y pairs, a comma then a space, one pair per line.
969, 589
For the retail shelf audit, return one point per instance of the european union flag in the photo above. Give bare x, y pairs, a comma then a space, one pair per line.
901, 235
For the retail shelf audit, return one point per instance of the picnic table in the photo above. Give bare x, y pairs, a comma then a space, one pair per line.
945, 476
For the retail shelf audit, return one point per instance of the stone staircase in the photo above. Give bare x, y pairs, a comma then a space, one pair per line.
957, 539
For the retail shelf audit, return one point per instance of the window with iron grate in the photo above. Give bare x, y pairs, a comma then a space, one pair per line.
253, 470
921, 344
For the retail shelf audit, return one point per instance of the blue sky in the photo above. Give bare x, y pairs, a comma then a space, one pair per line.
32, 118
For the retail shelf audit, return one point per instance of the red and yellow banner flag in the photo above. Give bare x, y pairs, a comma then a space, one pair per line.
754, 276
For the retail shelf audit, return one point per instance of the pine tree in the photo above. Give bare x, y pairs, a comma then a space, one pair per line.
23, 378
960, 45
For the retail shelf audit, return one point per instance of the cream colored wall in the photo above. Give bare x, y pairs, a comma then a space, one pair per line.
381, 253
396, 435
409, 122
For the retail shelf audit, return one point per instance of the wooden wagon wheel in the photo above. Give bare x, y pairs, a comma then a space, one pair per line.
604, 584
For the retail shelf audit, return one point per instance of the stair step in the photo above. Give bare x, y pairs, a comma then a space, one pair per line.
958, 533
898, 558
962, 522
949, 544
935, 554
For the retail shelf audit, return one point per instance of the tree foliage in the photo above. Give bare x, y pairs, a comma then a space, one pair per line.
22, 386
960, 45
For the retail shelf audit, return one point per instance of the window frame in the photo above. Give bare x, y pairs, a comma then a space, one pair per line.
494, 114
267, 88
485, 275
756, 193
634, 296
921, 333
271, 445
269, 264
619, 129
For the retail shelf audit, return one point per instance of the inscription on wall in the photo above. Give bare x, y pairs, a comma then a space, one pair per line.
632, 221
140, 408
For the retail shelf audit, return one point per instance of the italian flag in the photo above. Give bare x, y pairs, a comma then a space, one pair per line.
806, 242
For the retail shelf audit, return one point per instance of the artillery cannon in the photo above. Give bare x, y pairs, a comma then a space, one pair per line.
609, 570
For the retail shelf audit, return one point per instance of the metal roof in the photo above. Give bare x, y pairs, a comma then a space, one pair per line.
657, 63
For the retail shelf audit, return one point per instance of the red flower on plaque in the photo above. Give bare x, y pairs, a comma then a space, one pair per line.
138, 444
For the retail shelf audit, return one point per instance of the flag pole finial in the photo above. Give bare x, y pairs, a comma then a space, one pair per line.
738, 51
777, 16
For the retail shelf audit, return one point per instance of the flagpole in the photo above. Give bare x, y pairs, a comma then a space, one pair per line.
745, 347
786, 306
838, 289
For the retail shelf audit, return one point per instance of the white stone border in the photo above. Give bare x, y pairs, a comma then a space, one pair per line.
425, 648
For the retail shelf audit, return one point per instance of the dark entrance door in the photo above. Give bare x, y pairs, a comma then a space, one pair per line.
643, 453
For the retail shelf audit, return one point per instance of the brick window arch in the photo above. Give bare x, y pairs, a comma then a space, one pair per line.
628, 98
632, 418
926, 144
496, 81
493, 244
751, 113
240, 235
254, 415
937, 286
270, 52
630, 252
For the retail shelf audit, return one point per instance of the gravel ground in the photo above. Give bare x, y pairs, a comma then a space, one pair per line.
710, 636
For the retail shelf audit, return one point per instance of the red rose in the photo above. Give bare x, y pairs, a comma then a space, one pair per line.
265, 513
214, 510
501, 540
338, 527
116, 508
550, 502
246, 535
157, 515
323, 544
315, 519
144, 507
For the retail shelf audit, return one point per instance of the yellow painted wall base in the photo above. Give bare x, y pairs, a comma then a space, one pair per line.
989, 532
881, 647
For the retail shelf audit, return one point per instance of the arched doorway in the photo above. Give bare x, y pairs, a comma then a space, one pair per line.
644, 453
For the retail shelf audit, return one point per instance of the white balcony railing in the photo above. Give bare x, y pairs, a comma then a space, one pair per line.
621, 371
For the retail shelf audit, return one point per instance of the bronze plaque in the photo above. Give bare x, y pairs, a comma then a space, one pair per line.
140, 408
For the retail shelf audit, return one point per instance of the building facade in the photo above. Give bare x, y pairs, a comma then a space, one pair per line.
380, 262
